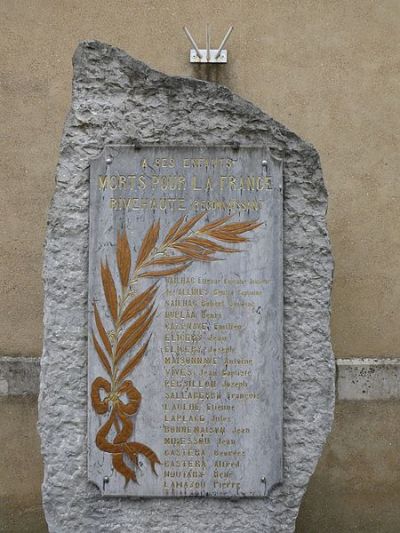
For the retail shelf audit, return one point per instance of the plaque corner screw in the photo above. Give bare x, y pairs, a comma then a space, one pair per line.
264, 163
263, 479
109, 159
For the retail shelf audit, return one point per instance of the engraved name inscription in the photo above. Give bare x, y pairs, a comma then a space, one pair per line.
185, 321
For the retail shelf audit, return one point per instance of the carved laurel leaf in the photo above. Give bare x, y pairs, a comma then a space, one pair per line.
171, 234
188, 226
194, 251
148, 244
138, 304
102, 355
134, 333
109, 290
241, 227
225, 236
210, 245
102, 331
123, 258
214, 224
170, 260
162, 273
229, 232
134, 361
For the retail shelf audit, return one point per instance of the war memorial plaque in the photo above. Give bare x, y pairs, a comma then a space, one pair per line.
181, 251
185, 321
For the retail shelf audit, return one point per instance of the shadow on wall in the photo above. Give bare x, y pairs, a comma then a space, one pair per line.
216, 73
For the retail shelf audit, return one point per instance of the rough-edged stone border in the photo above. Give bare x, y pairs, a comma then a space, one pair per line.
119, 100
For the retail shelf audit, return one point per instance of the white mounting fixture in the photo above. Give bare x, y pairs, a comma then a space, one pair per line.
208, 55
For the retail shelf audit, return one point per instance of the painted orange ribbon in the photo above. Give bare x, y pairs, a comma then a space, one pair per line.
123, 425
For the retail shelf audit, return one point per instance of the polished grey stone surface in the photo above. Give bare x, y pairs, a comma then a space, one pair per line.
118, 100
211, 378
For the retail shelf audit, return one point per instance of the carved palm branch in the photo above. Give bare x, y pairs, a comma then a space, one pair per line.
182, 245
132, 315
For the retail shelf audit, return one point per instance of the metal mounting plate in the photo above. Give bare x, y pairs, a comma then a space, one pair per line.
194, 58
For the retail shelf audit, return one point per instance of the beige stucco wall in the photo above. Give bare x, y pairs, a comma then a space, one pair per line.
325, 69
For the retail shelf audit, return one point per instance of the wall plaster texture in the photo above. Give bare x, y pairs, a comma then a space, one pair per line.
119, 100
19, 376
368, 378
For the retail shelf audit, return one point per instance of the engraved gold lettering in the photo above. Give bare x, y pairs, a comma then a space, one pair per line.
102, 182
195, 186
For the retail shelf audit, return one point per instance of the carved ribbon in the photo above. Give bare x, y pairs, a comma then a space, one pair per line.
119, 418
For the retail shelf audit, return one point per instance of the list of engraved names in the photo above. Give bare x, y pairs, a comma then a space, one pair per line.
185, 321
203, 386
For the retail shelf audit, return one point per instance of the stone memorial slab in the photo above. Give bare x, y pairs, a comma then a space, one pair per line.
91, 432
185, 314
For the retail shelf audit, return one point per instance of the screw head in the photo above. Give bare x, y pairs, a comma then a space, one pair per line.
264, 163
263, 479
109, 159
106, 479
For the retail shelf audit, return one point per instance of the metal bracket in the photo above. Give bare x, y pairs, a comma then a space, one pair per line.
208, 55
